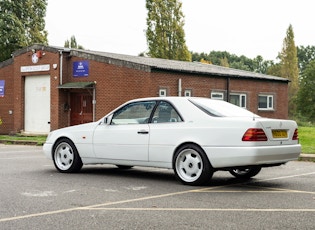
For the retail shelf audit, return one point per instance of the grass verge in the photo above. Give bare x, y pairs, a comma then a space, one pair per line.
12, 139
306, 136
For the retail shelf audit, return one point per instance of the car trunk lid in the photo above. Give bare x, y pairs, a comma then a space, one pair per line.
279, 130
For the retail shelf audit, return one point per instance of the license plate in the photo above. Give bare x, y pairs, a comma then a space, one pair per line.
276, 133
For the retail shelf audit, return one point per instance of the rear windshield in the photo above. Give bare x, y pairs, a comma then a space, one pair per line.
218, 108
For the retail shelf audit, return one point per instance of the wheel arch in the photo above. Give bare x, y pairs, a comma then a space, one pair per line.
68, 162
57, 141
188, 143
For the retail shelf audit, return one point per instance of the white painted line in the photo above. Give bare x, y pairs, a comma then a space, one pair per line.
285, 177
206, 209
101, 206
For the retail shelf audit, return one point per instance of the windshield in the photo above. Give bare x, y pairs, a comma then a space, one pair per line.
218, 108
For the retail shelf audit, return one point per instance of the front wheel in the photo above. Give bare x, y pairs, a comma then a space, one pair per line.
245, 173
191, 165
66, 157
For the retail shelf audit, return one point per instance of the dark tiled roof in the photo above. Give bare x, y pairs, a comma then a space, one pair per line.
151, 64
172, 65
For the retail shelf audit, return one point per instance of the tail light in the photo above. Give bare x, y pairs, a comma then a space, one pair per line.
295, 135
254, 134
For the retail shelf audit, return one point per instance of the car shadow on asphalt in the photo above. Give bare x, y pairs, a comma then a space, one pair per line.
156, 174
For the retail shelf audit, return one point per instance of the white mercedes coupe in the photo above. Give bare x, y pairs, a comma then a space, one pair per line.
193, 136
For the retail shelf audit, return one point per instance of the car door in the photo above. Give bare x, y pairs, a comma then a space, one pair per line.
166, 131
126, 135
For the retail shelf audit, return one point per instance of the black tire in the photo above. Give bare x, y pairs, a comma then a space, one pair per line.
245, 173
66, 157
191, 165
124, 166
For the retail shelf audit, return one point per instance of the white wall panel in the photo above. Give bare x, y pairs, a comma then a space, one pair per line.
37, 104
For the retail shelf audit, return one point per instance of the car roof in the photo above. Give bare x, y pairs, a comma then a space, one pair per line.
168, 98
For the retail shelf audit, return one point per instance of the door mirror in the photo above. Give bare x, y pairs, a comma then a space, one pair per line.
108, 119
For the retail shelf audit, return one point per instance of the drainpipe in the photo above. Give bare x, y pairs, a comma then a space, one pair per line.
60, 66
94, 101
228, 89
180, 87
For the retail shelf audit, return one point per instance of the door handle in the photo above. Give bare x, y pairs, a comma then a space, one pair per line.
143, 132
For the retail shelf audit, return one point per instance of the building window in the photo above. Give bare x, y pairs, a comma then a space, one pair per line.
162, 93
238, 99
187, 93
265, 102
217, 95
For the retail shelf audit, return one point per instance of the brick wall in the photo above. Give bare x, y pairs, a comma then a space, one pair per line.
116, 84
6, 102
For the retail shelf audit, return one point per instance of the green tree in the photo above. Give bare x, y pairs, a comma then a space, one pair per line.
73, 43
22, 23
224, 58
305, 56
306, 94
224, 62
261, 65
289, 68
274, 70
165, 33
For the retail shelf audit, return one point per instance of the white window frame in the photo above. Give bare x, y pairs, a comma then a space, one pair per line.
162, 92
241, 97
270, 102
187, 92
215, 96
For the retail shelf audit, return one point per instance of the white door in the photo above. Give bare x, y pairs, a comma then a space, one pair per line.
123, 142
127, 135
37, 104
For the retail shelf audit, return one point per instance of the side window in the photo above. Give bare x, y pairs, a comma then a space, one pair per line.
134, 113
162, 92
265, 102
238, 99
165, 112
188, 93
217, 96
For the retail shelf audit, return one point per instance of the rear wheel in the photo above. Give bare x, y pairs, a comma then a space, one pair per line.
245, 173
66, 157
191, 165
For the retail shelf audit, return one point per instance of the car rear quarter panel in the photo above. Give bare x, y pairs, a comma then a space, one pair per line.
221, 139
165, 138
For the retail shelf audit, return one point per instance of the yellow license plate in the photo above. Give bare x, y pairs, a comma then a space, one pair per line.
276, 133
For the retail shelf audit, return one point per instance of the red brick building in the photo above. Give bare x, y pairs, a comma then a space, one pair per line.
43, 88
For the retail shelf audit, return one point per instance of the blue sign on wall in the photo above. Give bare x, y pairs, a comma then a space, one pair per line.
2, 83
80, 68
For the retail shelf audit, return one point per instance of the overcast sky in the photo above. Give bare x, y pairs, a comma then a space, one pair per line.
241, 27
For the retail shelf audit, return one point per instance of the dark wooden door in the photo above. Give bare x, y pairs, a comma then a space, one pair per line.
81, 108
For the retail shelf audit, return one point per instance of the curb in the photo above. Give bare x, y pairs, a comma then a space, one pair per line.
20, 142
307, 157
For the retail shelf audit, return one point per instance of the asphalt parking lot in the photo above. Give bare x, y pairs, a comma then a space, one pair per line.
35, 196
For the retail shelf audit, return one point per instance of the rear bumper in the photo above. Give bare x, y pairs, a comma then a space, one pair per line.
221, 157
